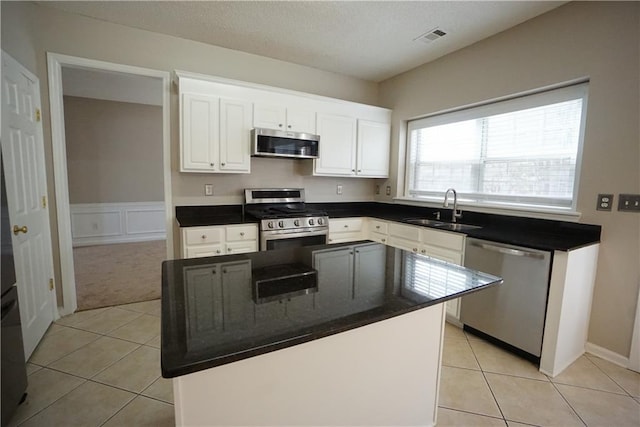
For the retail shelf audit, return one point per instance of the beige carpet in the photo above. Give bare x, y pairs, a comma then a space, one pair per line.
117, 274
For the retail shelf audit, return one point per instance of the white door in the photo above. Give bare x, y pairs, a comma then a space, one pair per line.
23, 157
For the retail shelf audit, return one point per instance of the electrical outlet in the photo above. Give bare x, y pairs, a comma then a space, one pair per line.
605, 202
208, 189
629, 202
388, 190
377, 188
339, 189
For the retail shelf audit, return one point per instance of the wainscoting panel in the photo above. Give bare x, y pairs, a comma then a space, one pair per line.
105, 223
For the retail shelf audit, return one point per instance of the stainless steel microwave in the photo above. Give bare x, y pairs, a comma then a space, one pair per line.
277, 143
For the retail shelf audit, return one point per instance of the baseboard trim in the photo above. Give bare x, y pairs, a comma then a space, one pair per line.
607, 355
108, 223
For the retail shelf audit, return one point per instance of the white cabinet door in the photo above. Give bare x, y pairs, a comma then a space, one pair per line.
281, 118
337, 145
373, 149
200, 132
269, 116
235, 135
301, 121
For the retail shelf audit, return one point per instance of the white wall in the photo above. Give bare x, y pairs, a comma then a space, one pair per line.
597, 40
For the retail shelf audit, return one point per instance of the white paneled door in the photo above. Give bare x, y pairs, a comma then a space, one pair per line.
23, 157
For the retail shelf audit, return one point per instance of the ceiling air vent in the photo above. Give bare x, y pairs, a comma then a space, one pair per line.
431, 35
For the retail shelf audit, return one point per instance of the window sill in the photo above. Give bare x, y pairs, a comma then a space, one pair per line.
500, 210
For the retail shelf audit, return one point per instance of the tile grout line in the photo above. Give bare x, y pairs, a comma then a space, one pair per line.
609, 376
568, 403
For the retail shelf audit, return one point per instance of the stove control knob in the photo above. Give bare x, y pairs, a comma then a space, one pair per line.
311, 221
281, 224
296, 223
270, 224
320, 221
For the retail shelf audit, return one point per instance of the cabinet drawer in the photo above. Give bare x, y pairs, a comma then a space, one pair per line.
404, 231
343, 237
345, 224
203, 235
241, 232
442, 254
242, 247
203, 251
443, 239
378, 237
377, 226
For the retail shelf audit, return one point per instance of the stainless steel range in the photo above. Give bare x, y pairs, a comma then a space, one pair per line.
285, 221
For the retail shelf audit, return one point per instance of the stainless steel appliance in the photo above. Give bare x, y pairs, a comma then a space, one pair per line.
13, 369
278, 143
514, 312
285, 221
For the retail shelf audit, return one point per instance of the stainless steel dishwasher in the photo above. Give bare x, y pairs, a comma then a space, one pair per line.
514, 311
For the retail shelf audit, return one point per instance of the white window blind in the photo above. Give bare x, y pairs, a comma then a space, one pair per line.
523, 151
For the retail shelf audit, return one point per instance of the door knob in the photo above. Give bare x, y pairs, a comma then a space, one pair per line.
22, 229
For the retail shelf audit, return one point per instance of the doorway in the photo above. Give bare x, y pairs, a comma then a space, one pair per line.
113, 213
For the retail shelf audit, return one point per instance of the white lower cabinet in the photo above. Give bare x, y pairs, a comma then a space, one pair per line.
218, 240
342, 230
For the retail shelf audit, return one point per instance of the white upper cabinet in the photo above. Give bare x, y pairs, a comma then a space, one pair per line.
215, 134
217, 116
235, 135
373, 149
353, 147
282, 118
199, 123
337, 145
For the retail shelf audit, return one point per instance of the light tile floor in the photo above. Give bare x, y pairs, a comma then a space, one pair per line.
482, 384
102, 368
99, 367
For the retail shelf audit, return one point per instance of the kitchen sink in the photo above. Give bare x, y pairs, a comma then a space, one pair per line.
451, 226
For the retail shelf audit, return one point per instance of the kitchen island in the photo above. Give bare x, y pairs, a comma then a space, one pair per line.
346, 334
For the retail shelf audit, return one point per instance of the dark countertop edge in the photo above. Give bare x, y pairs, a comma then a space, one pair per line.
189, 368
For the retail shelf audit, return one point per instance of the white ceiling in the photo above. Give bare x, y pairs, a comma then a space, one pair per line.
364, 39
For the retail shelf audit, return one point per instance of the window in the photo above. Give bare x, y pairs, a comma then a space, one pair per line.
522, 152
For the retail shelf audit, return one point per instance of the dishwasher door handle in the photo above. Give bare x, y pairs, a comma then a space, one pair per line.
507, 250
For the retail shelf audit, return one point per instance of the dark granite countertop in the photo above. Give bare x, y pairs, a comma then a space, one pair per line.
223, 309
534, 233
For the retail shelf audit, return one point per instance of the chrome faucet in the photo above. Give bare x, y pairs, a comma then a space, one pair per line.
456, 213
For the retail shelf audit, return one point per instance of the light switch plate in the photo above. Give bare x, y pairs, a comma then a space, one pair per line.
208, 189
388, 190
605, 202
629, 202
339, 189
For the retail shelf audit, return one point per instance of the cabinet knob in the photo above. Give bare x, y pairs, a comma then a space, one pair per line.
359, 170
229, 249
213, 272
224, 271
211, 164
415, 249
346, 226
353, 170
423, 251
279, 125
377, 226
242, 233
204, 237
384, 240
218, 251
221, 164
289, 126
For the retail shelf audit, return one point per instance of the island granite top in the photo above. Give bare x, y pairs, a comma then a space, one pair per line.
219, 310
